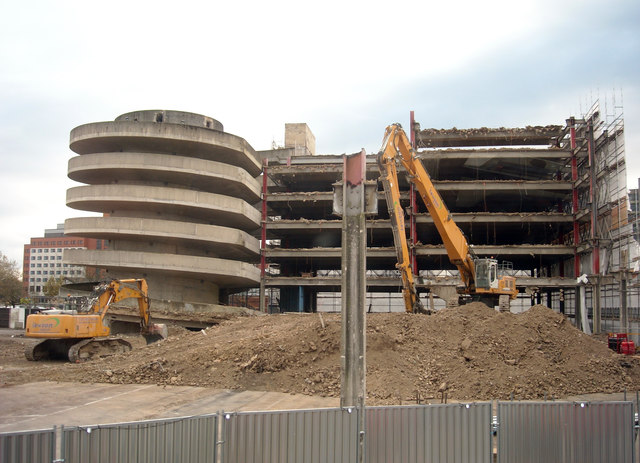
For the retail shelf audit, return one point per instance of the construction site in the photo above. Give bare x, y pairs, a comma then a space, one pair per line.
207, 219
244, 253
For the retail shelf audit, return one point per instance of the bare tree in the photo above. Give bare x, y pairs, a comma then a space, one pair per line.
52, 286
10, 283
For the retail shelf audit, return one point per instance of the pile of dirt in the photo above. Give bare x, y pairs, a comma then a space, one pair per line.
471, 352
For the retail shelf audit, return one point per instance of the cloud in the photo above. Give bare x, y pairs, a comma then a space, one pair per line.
348, 69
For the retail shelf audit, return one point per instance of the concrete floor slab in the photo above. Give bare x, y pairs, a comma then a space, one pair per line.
45, 404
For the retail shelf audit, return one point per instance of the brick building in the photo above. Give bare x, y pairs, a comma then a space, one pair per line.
43, 259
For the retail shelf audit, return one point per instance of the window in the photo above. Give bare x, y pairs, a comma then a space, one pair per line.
39, 249
38, 279
37, 289
33, 265
64, 272
65, 265
45, 257
58, 265
59, 249
33, 272
39, 257
45, 265
58, 272
59, 257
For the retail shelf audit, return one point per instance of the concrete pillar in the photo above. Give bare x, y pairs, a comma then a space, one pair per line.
354, 246
582, 322
578, 303
352, 393
597, 307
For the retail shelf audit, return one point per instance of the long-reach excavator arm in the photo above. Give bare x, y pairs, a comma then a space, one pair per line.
477, 281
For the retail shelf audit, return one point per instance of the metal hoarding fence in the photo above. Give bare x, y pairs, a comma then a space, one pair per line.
565, 432
311, 436
185, 440
454, 433
28, 446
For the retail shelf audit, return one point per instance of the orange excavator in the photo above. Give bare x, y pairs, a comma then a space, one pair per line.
79, 335
479, 276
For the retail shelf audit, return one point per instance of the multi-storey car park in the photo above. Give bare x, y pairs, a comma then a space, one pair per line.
182, 201
176, 195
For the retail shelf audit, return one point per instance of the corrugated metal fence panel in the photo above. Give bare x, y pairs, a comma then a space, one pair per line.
312, 436
28, 446
456, 433
565, 432
189, 440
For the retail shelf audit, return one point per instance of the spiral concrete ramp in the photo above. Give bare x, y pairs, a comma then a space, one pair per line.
177, 196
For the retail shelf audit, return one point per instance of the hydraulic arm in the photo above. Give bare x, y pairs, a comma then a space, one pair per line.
479, 276
80, 335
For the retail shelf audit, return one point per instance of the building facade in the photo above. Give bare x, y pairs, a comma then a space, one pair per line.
43, 259
550, 201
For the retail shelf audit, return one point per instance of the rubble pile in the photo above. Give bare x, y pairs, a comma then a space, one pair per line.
470, 353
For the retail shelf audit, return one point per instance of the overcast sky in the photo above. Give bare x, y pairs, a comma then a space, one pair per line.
346, 68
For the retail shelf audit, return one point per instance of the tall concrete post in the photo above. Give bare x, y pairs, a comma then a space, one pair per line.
578, 317
349, 201
582, 322
597, 307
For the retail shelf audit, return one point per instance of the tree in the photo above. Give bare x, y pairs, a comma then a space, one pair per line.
52, 286
10, 283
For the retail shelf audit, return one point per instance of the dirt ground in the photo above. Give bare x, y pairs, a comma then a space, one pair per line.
472, 352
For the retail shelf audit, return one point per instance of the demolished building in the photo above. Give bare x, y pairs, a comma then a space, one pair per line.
208, 218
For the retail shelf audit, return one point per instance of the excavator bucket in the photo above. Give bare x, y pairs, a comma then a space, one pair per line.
156, 332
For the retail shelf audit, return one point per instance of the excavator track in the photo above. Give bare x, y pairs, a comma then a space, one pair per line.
50, 349
76, 350
88, 349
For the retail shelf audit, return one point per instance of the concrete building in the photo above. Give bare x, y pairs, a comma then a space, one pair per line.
43, 259
177, 196
550, 201
181, 202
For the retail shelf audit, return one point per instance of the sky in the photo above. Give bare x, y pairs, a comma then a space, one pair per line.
346, 68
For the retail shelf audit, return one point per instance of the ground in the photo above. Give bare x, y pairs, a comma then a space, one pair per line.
469, 353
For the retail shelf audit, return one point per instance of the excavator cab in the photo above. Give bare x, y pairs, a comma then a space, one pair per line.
486, 274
